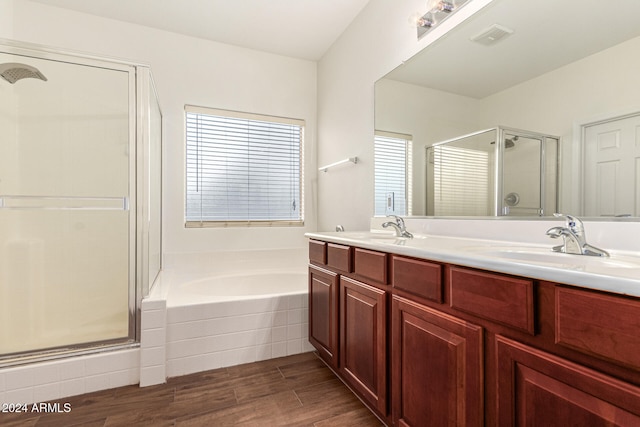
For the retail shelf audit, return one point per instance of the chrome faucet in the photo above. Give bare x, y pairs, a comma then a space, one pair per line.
398, 226
574, 239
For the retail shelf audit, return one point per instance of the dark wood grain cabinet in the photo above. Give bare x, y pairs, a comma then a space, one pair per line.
535, 388
603, 325
426, 343
500, 298
419, 278
323, 313
363, 340
437, 368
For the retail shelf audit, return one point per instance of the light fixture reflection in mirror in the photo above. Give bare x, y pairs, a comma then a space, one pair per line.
437, 12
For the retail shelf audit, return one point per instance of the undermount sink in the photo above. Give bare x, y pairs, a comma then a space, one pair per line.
546, 256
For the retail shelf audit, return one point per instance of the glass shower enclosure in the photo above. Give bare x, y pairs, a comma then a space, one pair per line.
493, 172
80, 201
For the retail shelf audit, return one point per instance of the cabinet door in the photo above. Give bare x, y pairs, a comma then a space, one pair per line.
539, 389
363, 342
323, 313
436, 368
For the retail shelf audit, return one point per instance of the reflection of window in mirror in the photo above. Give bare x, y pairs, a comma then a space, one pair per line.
392, 154
461, 180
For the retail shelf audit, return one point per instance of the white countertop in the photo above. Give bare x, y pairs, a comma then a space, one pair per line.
620, 273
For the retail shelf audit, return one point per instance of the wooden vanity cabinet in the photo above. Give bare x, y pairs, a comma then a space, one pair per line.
327, 262
436, 368
363, 341
602, 325
348, 318
431, 344
418, 278
323, 313
502, 299
535, 388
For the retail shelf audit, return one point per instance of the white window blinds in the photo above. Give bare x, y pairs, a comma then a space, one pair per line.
242, 169
461, 181
392, 175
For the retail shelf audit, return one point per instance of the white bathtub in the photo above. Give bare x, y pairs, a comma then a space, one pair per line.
230, 308
236, 286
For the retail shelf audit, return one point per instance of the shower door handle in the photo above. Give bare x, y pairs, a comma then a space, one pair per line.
64, 203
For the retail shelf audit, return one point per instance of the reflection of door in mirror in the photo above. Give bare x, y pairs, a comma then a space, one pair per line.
612, 163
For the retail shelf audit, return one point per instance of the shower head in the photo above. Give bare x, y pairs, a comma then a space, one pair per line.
14, 71
510, 143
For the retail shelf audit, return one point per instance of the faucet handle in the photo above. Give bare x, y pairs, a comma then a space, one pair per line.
572, 223
398, 219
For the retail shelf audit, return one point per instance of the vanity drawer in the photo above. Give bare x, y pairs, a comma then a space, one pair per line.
317, 251
371, 265
503, 299
421, 278
599, 324
339, 257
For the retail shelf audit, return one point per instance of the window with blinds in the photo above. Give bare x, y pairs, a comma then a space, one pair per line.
461, 181
392, 175
243, 169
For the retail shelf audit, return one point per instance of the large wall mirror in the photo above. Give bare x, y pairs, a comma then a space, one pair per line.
568, 70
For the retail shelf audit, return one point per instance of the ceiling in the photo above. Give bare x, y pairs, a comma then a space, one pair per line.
547, 34
303, 29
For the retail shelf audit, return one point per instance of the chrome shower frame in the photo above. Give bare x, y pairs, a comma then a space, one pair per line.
141, 89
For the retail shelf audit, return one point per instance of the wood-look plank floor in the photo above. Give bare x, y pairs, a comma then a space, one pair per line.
296, 390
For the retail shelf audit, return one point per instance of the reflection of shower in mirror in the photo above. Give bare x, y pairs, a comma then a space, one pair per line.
512, 199
509, 142
472, 175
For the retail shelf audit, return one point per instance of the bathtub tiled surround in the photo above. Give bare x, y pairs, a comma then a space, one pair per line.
40, 382
200, 333
214, 335
153, 342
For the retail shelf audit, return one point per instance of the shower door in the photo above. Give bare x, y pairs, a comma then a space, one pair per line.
67, 186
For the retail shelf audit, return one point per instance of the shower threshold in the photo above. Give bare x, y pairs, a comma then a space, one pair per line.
12, 360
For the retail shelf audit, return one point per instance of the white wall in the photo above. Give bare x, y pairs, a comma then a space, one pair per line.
377, 41
6, 19
188, 70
